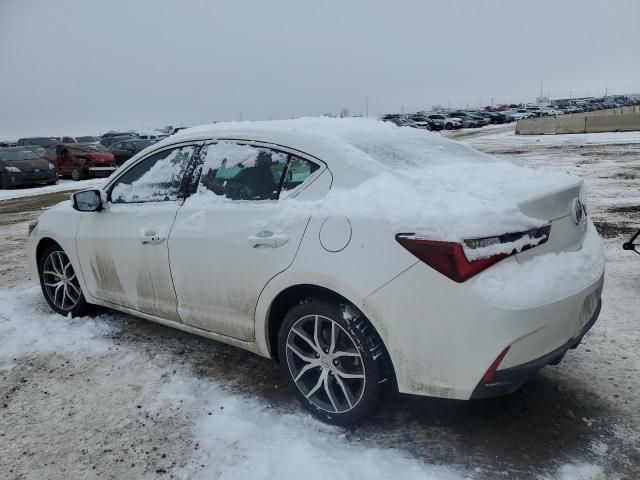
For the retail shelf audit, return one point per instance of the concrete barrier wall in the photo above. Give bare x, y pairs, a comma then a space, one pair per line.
613, 123
611, 120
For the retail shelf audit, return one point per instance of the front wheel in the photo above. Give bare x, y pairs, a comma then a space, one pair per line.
448, 126
76, 174
60, 284
334, 361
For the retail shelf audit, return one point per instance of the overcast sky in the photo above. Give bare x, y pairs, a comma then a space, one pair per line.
72, 67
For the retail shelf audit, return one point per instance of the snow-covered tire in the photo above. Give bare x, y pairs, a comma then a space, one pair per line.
448, 126
54, 267
334, 360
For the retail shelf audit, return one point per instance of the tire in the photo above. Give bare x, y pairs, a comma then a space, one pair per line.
52, 182
76, 174
338, 389
4, 182
448, 126
54, 268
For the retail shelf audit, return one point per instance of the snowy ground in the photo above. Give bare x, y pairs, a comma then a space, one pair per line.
116, 397
62, 185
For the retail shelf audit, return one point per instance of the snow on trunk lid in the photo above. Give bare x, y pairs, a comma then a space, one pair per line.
567, 229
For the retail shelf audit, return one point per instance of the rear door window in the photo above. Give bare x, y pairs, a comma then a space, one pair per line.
244, 172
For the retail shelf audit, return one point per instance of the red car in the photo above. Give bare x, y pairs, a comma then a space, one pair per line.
81, 160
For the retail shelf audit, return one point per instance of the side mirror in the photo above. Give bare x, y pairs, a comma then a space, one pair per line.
88, 201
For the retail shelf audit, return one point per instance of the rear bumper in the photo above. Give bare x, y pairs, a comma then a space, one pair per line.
511, 379
443, 337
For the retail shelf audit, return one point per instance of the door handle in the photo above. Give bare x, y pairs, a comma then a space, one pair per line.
152, 238
266, 238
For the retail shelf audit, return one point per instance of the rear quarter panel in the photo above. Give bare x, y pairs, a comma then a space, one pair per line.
371, 259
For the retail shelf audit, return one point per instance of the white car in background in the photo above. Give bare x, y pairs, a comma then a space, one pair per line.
444, 121
364, 257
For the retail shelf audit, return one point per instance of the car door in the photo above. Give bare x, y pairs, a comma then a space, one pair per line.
119, 152
65, 164
123, 248
230, 237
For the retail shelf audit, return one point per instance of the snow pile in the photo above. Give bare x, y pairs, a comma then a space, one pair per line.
246, 439
543, 278
583, 471
413, 180
28, 327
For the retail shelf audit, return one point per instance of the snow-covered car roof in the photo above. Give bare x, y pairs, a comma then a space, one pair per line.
407, 177
353, 148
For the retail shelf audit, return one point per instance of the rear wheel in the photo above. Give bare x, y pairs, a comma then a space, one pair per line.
60, 284
334, 361
448, 126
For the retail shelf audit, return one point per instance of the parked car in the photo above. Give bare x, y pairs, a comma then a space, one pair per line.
444, 122
41, 141
495, 118
270, 238
108, 141
125, 149
149, 136
22, 166
81, 160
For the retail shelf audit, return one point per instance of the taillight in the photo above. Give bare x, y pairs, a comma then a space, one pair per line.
460, 263
448, 258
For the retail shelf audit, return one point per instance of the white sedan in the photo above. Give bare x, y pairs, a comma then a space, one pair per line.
364, 257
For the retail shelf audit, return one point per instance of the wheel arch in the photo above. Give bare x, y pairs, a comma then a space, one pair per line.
43, 244
293, 294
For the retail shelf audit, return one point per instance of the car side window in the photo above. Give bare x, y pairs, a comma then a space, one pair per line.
156, 178
244, 172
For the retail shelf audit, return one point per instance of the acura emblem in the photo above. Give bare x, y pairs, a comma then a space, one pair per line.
577, 211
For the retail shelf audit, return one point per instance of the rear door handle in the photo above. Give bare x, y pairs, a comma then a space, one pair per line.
267, 238
152, 238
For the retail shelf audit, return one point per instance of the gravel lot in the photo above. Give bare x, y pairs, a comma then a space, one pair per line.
117, 397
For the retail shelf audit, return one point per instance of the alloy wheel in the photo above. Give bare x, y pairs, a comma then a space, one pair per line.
325, 364
60, 281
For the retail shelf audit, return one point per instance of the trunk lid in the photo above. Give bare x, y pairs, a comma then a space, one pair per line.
568, 226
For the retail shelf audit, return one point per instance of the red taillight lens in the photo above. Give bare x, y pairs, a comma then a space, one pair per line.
448, 258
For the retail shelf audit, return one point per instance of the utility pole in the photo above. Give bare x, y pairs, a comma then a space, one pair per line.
402, 109
606, 91
366, 105
541, 90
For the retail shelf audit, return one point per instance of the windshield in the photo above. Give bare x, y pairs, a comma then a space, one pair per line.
87, 148
87, 139
13, 155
